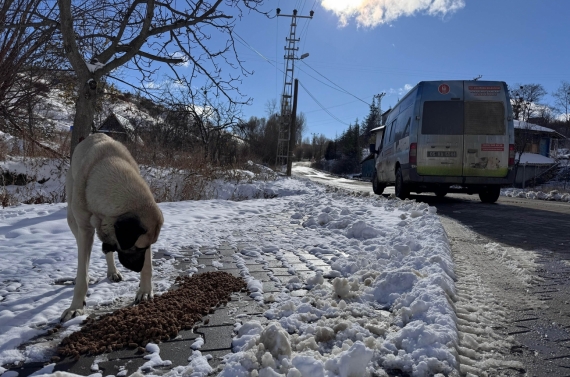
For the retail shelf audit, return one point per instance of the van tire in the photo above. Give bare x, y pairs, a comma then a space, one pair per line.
377, 187
402, 189
440, 193
490, 194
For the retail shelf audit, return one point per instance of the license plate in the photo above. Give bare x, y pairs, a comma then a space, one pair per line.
442, 154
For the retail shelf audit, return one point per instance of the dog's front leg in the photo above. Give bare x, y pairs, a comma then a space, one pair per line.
84, 245
145, 290
112, 273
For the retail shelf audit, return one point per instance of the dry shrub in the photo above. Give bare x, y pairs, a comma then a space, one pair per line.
184, 176
4, 149
171, 175
6, 198
178, 175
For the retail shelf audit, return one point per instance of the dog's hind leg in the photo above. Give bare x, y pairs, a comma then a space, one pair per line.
84, 244
112, 273
145, 290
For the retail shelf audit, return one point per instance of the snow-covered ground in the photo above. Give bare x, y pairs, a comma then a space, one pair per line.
385, 301
536, 194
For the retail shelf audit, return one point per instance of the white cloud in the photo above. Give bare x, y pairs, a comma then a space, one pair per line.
371, 13
406, 88
400, 91
180, 55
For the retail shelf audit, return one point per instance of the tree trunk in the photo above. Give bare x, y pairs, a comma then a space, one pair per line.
84, 112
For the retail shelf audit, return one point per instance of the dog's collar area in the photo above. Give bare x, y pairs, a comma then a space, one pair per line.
108, 248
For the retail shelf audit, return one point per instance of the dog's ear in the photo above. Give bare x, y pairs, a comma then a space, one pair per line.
128, 229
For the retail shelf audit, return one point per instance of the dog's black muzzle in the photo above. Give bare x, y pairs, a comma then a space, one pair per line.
133, 259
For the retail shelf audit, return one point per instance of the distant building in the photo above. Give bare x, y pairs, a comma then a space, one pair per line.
536, 163
120, 129
539, 139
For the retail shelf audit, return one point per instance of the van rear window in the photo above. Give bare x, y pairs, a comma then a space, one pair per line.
484, 118
442, 118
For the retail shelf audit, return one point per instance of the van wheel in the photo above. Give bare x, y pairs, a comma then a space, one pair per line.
377, 187
402, 189
440, 193
490, 194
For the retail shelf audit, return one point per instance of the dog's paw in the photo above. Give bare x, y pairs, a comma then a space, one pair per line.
115, 276
71, 313
143, 295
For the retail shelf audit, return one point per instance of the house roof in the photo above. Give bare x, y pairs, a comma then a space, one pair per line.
531, 126
127, 125
535, 127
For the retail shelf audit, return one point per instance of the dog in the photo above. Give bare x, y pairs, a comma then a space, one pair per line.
107, 195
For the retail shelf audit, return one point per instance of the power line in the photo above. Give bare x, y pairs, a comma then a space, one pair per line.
330, 107
321, 106
324, 83
242, 41
273, 63
338, 86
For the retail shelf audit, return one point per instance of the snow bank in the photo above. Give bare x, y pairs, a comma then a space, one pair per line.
389, 308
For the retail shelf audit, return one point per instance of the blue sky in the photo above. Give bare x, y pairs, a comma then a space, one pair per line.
516, 41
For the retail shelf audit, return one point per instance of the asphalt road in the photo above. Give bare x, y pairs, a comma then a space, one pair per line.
531, 315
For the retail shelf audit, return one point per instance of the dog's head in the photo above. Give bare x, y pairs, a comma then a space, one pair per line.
134, 234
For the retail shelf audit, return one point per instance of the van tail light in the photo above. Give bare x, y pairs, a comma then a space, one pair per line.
413, 153
511, 154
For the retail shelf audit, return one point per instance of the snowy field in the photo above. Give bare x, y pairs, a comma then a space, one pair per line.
384, 303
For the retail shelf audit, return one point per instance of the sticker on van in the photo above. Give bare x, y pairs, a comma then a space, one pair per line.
493, 147
484, 91
443, 89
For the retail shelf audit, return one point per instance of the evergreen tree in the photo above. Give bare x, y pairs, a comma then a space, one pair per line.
372, 120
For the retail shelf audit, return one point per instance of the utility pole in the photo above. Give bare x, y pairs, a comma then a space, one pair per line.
293, 129
379, 98
286, 118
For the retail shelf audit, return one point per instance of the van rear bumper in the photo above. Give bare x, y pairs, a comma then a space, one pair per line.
410, 174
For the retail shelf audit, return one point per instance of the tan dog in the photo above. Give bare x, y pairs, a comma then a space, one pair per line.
106, 194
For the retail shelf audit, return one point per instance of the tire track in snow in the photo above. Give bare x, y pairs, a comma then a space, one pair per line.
485, 296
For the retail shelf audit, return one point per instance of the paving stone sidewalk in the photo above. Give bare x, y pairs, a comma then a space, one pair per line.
217, 328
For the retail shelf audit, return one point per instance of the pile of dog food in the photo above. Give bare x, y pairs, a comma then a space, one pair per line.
156, 320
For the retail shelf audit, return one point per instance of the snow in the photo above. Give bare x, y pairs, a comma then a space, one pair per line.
531, 126
380, 295
553, 195
198, 343
534, 158
154, 359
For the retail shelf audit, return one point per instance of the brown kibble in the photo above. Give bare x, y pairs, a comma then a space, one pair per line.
156, 320
140, 350
55, 359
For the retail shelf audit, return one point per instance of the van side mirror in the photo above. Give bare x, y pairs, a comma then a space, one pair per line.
372, 148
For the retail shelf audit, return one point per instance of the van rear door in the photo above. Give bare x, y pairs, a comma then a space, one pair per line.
486, 141
440, 138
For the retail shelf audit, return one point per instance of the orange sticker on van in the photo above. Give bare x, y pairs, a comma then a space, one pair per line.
493, 147
443, 89
482, 90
